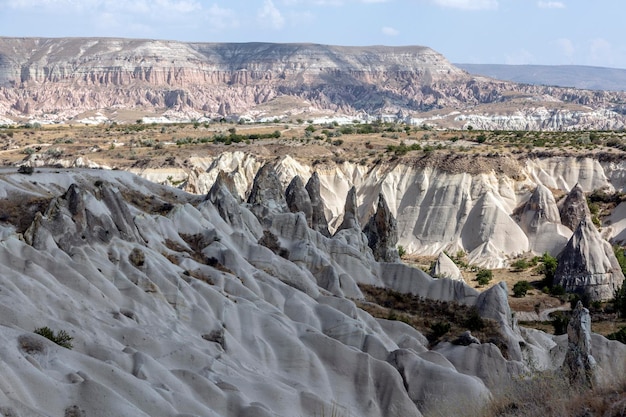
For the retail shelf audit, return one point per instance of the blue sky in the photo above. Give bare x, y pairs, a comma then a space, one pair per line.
550, 32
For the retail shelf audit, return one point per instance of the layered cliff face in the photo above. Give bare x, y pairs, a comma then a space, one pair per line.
494, 208
60, 78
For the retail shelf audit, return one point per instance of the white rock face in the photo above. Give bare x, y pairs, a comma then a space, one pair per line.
433, 206
588, 265
445, 268
541, 222
176, 308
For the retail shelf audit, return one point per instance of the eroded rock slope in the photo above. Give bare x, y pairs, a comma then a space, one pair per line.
191, 305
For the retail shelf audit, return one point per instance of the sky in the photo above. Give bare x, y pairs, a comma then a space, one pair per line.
546, 32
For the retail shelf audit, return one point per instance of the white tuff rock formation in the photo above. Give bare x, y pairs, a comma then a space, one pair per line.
588, 265
176, 309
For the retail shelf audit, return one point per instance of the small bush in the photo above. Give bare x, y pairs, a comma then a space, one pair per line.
26, 169
401, 251
521, 288
439, 329
61, 338
520, 265
484, 276
619, 335
619, 302
560, 322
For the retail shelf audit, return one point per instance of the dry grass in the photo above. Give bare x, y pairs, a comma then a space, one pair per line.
437, 320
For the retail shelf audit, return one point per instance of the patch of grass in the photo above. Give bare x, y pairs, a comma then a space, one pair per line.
61, 338
438, 320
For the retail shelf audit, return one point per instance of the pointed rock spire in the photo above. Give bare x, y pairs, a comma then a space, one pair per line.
222, 197
298, 199
540, 219
350, 214
444, 267
266, 196
574, 208
588, 265
318, 218
382, 233
579, 364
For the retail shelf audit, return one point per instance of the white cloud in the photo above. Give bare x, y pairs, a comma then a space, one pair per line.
270, 16
389, 31
566, 47
551, 4
601, 52
468, 4
221, 18
521, 57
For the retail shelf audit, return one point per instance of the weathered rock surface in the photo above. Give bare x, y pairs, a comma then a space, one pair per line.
267, 196
579, 363
541, 221
444, 267
192, 80
574, 208
350, 213
298, 199
183, 299
318, 218
432, 202
382, 233
588, 265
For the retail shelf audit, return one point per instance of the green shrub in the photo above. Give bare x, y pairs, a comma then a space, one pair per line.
61, 338
484, 276
560, 322
619, 335
26, 169
401, 251
439, 329
520, 265
619, 302
521, 288
550, 264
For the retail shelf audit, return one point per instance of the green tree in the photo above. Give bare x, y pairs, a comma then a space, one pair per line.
521, 288
620, 300
549, 268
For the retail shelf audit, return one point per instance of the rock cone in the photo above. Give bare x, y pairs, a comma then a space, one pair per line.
444, 267
382, 233
588, 265
541, 221
574, 208
318, 218
350, 214
298, 199
266, 196
579, 363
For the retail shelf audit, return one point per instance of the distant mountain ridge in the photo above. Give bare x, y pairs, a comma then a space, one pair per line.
54, 80
577, 76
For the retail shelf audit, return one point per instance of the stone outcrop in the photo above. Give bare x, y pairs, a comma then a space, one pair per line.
350, 213
298, 199
588, 265
579, 363
574, 208
318, 218
266, 196
382, 233
444, 267
541, 221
